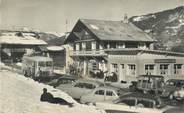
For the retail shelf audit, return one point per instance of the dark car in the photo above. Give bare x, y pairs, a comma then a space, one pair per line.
171, 86
175, 110
65, 79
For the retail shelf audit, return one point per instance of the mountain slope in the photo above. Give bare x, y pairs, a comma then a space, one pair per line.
52, 39
167, 27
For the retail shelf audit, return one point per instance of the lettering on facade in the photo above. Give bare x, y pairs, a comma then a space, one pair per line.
165, 60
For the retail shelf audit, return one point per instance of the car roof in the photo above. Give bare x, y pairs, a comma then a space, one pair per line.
90, 81
156, 76
68, 77
108, 88
175, 80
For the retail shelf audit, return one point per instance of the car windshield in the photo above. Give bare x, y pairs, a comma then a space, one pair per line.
49, 64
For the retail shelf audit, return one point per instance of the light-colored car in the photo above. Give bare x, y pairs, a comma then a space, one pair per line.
101, 94
134, 103
171, 86
79, 88
179, 94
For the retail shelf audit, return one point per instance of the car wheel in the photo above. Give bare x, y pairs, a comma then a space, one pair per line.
140, 105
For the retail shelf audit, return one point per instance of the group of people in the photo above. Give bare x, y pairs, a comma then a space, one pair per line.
48, 97
110, 77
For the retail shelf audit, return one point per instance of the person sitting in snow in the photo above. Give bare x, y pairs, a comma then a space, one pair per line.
48, 97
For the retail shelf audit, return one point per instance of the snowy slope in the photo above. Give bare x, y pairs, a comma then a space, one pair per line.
167, 27
21, 95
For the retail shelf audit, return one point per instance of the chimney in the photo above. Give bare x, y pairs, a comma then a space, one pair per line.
125, 18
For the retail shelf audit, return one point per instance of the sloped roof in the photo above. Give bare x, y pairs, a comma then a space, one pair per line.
136, 51
115, 30
11, 38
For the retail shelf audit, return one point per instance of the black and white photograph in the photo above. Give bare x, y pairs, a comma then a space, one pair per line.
91, 56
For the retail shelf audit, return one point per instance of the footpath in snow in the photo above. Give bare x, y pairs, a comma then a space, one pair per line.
22, 95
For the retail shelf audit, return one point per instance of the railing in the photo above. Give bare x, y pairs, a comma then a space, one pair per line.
88, 53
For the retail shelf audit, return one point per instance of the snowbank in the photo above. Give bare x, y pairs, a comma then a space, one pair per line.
22, 95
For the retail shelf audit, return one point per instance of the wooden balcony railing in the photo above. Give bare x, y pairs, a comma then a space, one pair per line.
88, 53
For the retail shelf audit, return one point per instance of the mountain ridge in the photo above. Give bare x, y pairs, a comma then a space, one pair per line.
167, 27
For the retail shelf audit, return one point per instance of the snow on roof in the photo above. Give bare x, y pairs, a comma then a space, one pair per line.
55, 48
37, 58
94, 26
107, 30
25, 40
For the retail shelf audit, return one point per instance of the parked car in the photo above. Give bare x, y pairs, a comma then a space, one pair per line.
101, 94
80, 87
134, 103
150, 83
171, 86
64, 80
179, 94
175, 110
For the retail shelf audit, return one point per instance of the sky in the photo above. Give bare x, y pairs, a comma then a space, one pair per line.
52, 15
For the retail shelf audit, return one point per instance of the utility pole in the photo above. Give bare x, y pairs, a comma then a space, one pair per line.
66, 25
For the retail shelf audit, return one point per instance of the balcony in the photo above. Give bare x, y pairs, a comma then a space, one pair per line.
88, 53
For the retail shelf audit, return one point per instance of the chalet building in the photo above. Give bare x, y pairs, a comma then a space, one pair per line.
120, 47
14, 44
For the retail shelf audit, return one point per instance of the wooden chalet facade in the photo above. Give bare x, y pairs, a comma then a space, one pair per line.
119, 47
14, 44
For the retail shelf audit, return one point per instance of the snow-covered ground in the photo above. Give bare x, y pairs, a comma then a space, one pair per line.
22, 95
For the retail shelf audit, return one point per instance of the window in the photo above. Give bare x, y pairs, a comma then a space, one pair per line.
89, 86
83, 45
77, 46
80, 85
49, 64
164, 69
95, 66
112, 45
114, 67
149, 69
121, 45
98, 46
131, 45
93, 45
88, 46
41, 64
145, 103
109, 93
100, 92
177, 68
131, 69
142, 45
122, 66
